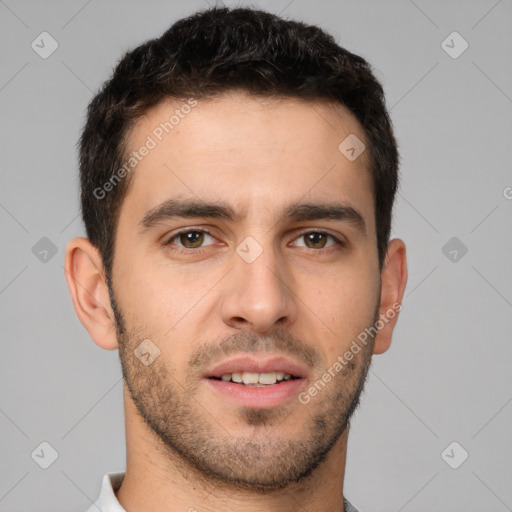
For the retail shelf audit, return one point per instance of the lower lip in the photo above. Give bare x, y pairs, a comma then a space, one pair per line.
269, 396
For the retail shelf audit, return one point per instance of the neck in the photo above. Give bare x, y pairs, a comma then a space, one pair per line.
158, 481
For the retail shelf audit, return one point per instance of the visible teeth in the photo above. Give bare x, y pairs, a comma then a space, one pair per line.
267, 378
250, 378
236, 377
255, 379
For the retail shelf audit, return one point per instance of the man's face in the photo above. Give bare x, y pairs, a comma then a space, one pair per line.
260, 293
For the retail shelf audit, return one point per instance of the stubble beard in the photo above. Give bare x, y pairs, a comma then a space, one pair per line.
264, 460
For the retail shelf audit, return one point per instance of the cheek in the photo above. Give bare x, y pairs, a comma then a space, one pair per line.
343, 305
169, 305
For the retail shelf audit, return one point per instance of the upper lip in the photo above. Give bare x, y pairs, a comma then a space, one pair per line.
246, 363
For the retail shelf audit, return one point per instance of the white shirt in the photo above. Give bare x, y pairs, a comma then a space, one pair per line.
107, 501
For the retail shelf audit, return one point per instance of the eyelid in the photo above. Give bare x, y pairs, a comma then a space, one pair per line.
338, 241
188, 230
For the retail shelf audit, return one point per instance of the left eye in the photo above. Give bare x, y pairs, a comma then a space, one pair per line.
194, 237
317, 239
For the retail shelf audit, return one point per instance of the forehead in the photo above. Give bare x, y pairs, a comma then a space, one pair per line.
258, 154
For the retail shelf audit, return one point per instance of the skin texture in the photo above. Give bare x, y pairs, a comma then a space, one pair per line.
303, 297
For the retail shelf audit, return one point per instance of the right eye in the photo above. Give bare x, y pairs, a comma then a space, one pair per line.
189, 239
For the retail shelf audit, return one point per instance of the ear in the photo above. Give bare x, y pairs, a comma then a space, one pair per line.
87, 285
393, 281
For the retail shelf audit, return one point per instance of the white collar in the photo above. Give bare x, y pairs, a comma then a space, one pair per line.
107, 501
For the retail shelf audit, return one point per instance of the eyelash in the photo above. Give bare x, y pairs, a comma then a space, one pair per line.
181, 250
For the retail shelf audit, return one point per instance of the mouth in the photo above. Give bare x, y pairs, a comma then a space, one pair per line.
256, 382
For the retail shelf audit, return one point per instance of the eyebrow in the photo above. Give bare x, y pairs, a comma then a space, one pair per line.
296, 212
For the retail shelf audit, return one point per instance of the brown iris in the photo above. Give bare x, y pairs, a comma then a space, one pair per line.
194, 238
315, 238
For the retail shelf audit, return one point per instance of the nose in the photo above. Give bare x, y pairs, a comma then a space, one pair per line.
258, 295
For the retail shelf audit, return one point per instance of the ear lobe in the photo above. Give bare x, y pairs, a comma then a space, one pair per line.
87, 285
393, 281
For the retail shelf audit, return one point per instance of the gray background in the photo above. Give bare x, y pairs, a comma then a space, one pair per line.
447, 375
